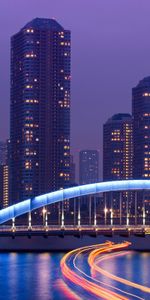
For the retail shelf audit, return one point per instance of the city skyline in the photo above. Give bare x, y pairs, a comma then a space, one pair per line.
74, 149
106, 67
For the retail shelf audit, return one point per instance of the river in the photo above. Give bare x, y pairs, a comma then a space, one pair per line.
37, 276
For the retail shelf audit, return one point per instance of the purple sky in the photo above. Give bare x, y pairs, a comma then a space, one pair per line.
110, 54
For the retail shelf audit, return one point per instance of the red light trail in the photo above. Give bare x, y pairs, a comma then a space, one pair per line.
97, 253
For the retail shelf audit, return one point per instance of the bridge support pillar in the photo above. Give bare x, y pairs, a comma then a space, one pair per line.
13, 224
95, 216
105, 209
144, 212
90, 210
46, 219
120, 204
111, 209
79, 213
59, 214
29, 220
127, 209
44, 211
74, 215
135, 204
62, 215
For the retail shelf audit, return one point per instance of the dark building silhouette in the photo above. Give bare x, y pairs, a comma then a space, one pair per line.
117, 148
88, 166
40, 109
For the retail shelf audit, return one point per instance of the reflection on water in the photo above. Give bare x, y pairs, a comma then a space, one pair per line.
135, 266
29, 276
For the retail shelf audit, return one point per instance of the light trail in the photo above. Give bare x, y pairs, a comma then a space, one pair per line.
86, 284
67, 292
98, 281
92, 260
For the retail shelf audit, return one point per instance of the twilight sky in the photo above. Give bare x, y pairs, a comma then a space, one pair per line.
110, 54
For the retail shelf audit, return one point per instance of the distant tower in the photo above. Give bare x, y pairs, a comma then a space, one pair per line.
40, 109
88, 166
117, 148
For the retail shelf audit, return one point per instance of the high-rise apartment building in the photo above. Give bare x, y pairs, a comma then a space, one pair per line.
40, 109
88, 166
141, 129
141, 144
117, 148
118, 165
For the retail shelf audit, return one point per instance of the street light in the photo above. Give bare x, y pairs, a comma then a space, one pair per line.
44, 212
105, 212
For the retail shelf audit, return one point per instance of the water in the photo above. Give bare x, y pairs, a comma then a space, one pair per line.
30, 276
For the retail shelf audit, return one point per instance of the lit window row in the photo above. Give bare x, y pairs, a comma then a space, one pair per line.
64, 44
146, 94
64, 174
31, 101
31, 125
30, 55
115, 139
146, 115
29, 86
29, 30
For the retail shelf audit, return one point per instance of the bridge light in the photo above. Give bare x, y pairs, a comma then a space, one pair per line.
105, 210
44, 210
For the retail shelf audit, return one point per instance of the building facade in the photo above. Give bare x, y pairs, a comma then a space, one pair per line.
141, 129
141, 143
3, 152
4, 186
40, 109
4, 174
118, 148
88, 166
118, 165
72, 171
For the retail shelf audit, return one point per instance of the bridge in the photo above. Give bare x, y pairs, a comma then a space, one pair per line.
114, 222
42, 201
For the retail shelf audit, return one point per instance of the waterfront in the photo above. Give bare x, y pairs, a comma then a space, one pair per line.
38, 276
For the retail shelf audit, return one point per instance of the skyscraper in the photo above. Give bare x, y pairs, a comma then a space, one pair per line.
141, 144
141, 129
88, 166
117, 147
117, 165
40, 109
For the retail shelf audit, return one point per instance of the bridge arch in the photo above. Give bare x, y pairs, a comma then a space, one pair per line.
29, 205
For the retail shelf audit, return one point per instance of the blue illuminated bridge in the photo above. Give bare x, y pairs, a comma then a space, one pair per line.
127, 192
117, 209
